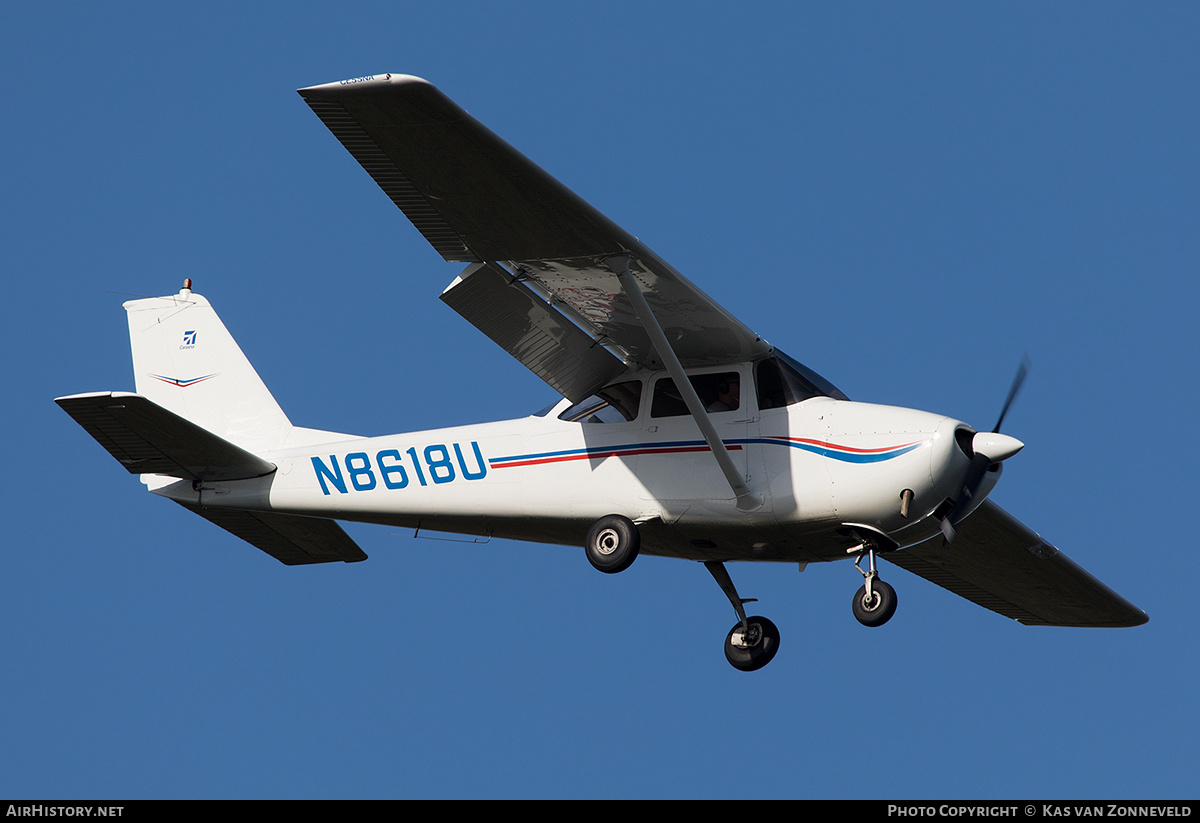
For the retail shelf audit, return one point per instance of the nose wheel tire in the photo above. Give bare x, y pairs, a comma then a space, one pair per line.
612, 543
878, 608
751, 648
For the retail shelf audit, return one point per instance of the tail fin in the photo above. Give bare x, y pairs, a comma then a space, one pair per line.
185, 360
203, 414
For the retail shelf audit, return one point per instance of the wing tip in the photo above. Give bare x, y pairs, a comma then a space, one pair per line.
366, 82
1138, 618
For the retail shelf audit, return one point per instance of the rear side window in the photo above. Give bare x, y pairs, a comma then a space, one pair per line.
617, 403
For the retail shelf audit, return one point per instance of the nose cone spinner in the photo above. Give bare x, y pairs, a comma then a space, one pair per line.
996, 447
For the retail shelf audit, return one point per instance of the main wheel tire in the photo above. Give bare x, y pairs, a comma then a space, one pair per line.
755, 648
879, 609
612, 543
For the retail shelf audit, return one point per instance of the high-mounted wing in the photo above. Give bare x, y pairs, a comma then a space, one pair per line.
540, 288
999, 563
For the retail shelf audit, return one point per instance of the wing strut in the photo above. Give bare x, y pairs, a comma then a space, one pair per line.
619, 265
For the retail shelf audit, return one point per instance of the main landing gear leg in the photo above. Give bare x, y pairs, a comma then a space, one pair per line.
753, 641
874, 603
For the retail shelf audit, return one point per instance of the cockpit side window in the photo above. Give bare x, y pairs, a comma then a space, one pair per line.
783, 382
719, 392
617, 403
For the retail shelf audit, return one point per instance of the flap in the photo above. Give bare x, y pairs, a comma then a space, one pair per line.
522, 323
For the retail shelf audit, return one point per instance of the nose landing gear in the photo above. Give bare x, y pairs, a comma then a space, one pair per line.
875, 602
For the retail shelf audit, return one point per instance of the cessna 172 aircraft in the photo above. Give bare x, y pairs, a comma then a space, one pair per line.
681, 432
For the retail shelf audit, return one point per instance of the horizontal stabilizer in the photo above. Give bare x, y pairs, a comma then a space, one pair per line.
1001, 564
145, 438
290, 539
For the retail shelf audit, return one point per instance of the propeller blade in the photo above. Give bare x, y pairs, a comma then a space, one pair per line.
987, 450
947, 532
965, 496
1022, 371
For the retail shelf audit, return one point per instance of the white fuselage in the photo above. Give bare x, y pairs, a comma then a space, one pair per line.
829, 472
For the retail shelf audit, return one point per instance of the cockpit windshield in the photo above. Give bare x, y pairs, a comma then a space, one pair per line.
782, 382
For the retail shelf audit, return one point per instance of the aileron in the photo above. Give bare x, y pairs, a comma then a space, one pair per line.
473, 196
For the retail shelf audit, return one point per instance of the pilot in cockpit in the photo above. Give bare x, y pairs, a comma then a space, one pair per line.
728, 394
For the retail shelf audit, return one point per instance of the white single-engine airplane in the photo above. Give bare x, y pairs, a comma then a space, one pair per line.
681, 432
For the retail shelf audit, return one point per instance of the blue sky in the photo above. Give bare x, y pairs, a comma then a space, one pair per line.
906, 197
